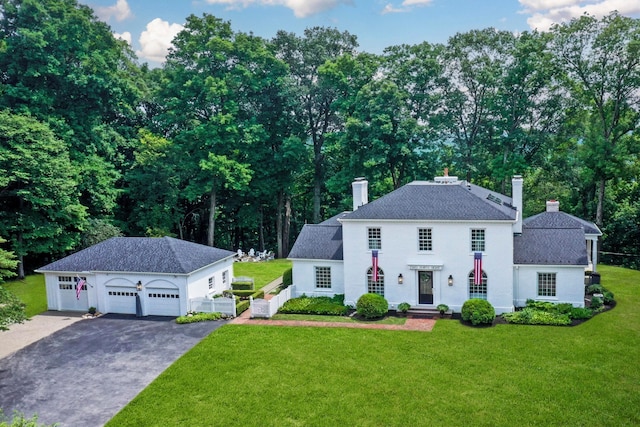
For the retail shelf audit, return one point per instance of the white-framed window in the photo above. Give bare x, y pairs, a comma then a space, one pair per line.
478, 290
375, 238
424, 239
65, 279
375, 287
225, 278
211, 283
546, 284
323, 277
477, 240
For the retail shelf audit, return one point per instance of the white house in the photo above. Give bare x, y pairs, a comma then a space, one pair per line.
426, 236
163, 273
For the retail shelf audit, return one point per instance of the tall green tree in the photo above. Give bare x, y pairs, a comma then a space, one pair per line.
305, 55
601, 59
40, 211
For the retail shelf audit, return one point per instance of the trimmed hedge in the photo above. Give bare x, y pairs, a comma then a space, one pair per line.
532, 316
287, 277
242, 286
242, 306
246, 294
372, 306
198, 317
478, 311
315, 305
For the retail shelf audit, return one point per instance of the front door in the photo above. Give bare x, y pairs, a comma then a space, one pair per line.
425, 285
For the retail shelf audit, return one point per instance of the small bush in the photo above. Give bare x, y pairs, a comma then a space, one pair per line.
287, 278
478, 311
247, 294
242, 286
563, 308
595, 289
12, 310
315, 305
403, 307
581, 313
532, 316
596, 303
19, 420
242, 306
198, 317
607, 297
372, 306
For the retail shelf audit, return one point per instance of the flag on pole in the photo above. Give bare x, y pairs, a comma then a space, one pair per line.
80, 282
477, 268
374, 261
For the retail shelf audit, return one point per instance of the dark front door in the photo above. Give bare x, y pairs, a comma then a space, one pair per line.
425, 285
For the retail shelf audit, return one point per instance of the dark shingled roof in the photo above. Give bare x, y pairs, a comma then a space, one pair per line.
422, 200
334, 219
318, 241
559, 220
550, 246
141, 255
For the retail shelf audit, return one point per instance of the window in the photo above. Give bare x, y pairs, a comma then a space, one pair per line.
225, 278
477, 240
375, 240
323, 277
211, 283
424, 239
478, 290
546, 284
376, 287
65, 279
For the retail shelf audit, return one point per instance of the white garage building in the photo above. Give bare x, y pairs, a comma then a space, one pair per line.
165, 272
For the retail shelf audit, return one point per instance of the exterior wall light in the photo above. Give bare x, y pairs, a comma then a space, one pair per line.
400, 279
450, 280
139, 286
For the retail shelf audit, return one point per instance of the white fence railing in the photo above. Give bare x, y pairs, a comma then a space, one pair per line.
267, 308
208, 305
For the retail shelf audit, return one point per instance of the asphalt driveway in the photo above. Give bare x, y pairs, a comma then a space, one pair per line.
85, 373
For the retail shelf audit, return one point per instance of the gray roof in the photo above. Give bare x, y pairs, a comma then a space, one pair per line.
140, 255
550, 246
558, 220
318, 241
334, 219
420, 200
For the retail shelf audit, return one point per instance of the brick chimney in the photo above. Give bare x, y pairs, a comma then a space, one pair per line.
360, 192
553, 206
516, 196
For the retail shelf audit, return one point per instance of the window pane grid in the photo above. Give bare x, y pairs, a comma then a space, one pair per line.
375, 240
424, 239
546, 284
478, 291
477, 240
375, 287
323, 277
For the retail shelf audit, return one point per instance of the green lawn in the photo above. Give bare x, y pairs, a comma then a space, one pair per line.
31, 291
263, 272
505, 375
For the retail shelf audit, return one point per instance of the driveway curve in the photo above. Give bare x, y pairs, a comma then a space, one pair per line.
84, 374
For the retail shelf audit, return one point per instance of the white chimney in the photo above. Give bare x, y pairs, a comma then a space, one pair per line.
516, 195
360, 192
553, 206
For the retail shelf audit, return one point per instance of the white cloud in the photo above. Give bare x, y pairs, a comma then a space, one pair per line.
545, 13
406, 6
155, 41
126, 36
300, 8
120, 11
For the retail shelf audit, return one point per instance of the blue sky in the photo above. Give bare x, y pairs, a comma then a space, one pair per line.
149, 25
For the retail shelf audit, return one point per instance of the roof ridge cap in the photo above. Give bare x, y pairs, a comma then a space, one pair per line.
174, 252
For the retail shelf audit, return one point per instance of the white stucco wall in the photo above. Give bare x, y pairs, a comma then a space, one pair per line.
451, 255
304, 277
199, 280
569, 284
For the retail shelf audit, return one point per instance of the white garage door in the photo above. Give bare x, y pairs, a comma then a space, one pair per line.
163, 302
69, 298
121, 299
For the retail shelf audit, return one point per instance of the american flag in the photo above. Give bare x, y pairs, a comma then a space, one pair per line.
477, 268
79, 284
374, 261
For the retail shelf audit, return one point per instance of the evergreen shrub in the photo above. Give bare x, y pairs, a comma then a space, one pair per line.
372, 306
478, 312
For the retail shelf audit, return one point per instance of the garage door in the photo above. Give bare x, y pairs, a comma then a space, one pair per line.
70, 299
163, 302
121, 299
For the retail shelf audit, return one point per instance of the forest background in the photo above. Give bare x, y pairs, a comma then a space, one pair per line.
238, 141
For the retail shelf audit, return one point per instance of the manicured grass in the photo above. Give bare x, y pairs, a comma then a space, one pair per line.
455, 375
391, 320
263, 272
31, 291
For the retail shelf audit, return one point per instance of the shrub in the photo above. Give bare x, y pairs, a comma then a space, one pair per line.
596, 303
607, 297
247, 294
12, 310
198, 317
595, 289
315, 305
372, 306
563, 308
338, 299
242, 286
287, 277
478, 311
403, 307
242, 306
442, 308
532, 316
580, 313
